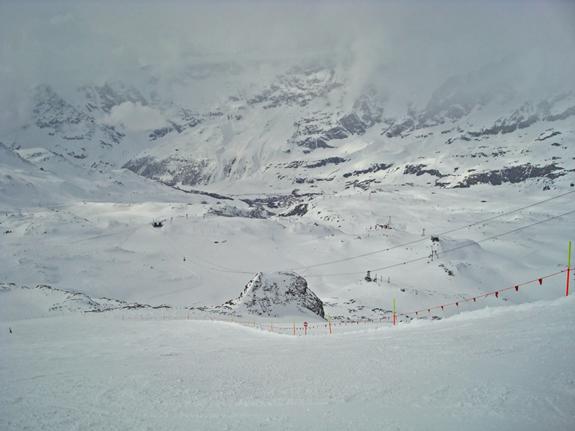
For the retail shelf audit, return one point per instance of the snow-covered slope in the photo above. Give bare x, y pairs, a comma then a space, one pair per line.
22, 302
341, 160
300, 129
260, 165
507, 368
285, 175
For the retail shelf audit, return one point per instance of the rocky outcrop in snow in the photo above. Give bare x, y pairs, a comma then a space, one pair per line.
297, 87
512, 174
317, 131
277, 294
103, 98
173, 170
303, 119
52, 112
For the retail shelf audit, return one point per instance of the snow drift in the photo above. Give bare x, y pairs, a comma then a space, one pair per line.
23, 302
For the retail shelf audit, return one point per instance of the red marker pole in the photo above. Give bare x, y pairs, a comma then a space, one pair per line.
568, 269
304, 328
394, 315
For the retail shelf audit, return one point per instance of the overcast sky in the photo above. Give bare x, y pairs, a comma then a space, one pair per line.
415, 44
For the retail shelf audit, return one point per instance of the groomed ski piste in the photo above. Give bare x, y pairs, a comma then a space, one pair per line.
166, 355
504, 368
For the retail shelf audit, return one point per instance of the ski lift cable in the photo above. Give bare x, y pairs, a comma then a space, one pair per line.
419, 240
410, 261
422, 258
419, 259
221, 268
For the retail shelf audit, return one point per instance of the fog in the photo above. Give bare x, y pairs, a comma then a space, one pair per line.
410, 47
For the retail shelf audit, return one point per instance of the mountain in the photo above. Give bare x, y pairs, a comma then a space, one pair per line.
299, 130
290, 172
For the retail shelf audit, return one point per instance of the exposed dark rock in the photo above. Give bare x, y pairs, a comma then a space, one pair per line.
368, 110
372, 169
547, 134
277, 294
562, 115
481, 154
298, 210
447, 270
53, 112
160, 133
400, 128
512, 174
280, 201
103, 98
420, 170
295, 164
522, 118
304, 180
315, 163
172, 170
188, 118
353, 124
317, 131
257, 212
337, 132
200, 192
324, 162
111, 134
313, 143
297, 87
363, 185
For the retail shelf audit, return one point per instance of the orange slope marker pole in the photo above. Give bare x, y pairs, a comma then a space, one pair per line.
394, 315
568, 269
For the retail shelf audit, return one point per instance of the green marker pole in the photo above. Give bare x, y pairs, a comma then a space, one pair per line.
568, 269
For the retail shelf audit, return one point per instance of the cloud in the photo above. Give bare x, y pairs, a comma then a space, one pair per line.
408, 47
61, 19
135, 117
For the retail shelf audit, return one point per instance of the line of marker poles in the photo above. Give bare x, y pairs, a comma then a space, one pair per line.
394, 312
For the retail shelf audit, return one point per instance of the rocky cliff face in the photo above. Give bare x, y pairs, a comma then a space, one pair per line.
303, 128
277, 294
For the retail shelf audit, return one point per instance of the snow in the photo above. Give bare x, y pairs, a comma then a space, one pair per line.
23, 302
506, 369
219, 148
107, 248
